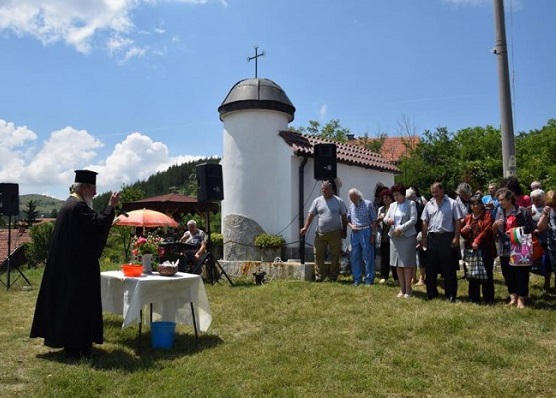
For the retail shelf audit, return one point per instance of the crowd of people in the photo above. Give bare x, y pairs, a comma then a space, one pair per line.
409, 232
420, 240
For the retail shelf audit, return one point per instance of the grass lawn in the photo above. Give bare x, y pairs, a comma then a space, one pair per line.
301, 339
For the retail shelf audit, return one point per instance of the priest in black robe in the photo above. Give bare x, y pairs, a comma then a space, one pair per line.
68, 312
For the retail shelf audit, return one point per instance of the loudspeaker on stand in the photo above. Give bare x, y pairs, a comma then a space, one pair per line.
209, 182
9, 199
325, 162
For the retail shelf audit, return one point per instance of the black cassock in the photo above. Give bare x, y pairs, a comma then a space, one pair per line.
69, 308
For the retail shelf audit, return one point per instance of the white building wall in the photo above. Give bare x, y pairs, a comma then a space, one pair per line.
256, 169
261, 175
363, 179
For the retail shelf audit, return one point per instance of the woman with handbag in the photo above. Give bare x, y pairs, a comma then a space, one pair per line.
508, 217
479, 251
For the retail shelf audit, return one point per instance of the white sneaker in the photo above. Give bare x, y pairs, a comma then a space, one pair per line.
382, 281
406, 295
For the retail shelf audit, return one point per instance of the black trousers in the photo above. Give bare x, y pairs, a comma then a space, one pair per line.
516, 278
441, 258
385, 261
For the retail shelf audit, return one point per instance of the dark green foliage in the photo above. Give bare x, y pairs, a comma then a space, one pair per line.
474, 155
480, 154
217, 239
178, 178
45, 205
375, 144
37, 249
31, 213
536, 155
117, 250
268, 240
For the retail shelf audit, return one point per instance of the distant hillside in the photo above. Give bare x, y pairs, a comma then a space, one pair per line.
45, 204
178, 178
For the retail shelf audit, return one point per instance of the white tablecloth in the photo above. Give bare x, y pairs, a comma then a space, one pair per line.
170, 297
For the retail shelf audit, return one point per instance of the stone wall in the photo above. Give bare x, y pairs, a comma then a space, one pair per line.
274, 270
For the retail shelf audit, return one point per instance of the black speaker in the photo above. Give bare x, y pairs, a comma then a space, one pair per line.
325, 162
209, 182
9, 199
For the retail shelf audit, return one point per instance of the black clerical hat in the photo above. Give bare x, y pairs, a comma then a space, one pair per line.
86, 177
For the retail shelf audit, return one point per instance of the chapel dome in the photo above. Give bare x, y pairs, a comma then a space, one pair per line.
257, 93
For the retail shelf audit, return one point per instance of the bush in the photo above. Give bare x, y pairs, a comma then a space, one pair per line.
267, 240
36, 251
217, 239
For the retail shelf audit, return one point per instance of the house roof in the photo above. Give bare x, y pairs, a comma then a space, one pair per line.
356, 155
18, 237
173, 203
393, 148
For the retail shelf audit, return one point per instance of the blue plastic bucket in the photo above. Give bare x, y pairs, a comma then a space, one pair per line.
162, 334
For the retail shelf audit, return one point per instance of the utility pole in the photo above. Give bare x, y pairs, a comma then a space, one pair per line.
507, 126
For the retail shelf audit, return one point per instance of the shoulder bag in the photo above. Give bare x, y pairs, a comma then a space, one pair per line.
473, 260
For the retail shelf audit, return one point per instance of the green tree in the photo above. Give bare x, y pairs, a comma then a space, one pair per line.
37, 249
472, 155
536, 154
332, 130
479, 153
373, 144
31, 213
433, 159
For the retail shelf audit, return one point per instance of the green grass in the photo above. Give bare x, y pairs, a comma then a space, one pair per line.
300, 339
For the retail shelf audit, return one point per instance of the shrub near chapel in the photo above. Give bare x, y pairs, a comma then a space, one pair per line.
269, 241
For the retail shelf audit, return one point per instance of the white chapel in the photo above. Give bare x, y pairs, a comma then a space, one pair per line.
267, 170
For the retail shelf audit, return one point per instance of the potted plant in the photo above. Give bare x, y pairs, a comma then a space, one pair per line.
217, 241
145, 247
270, 245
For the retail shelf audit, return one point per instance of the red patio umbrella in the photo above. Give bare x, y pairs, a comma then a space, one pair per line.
145, 218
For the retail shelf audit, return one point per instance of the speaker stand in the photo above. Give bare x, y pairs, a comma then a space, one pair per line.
9, 268
213, 269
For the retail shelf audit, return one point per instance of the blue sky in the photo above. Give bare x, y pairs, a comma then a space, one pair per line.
130, 87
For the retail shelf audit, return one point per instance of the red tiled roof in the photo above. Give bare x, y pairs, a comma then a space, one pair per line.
18, 237
356, 155
393, 147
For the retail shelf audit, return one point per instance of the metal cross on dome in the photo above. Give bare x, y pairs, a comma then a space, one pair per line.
256, 58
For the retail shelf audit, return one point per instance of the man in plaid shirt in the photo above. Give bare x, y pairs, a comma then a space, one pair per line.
361, 218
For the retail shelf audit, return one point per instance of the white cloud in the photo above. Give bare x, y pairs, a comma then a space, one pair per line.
14, 144
49, 168
137, 157
82, 24
64, 151
12, 136
73, 22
